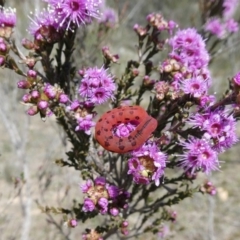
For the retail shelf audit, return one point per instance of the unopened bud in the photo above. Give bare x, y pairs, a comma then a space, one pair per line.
32, 111
32, 73
23, 84
29, 45
72, 223
42, 104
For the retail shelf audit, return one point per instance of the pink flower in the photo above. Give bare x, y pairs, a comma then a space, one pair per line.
195, 86
97, 86
236, 79
218, 126
188, 60
113, 191
188, 47
124, 129
42, 105
103, 204
198, 154
104, 197
114, 212
74, 12
147, 164
7, 17
86, 186
88, 205
85, 124
229, 8
208, 188
72, 223
100, 181
215, 27
109, 17
45, 27
232, 26
63, 98
50, 91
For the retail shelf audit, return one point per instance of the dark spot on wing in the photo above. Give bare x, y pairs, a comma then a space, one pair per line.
107, 144
130, 138
98, 132
133, 143
121, 147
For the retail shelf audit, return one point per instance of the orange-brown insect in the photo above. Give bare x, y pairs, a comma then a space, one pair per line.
109, 120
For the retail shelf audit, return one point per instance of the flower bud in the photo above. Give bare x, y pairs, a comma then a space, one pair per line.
50, 91
27, 98
3, 47
72, 223
141, 31
24, 84
125, 224
32, 73
32, 111
35, 94
114, 212
124, 231
109, 56
29, 45
63, 98
42, 104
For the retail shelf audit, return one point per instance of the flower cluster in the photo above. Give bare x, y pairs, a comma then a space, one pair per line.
147, 164
97, 86
208, 188
83, 114
189, 50
219, 128
157, 21
221, 27
41, 96
187, 64
104, 197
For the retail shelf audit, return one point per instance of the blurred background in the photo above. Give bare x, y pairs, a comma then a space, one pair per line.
29, 146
